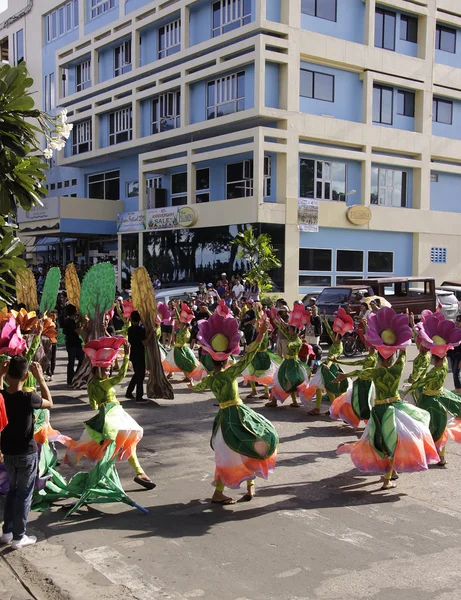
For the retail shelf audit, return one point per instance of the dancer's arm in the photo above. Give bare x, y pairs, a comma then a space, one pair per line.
237, 369
352, 363
110, 382
203, 385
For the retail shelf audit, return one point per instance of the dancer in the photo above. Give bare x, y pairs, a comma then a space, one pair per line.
138, 341
355, 404
244, 442
292, 376
397, 436
112, 423
262, 370
437, 336
324, 379
181, 359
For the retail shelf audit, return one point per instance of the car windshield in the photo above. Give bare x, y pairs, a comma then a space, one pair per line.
334, 296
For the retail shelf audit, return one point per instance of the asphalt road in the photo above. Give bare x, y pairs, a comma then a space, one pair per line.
318, 529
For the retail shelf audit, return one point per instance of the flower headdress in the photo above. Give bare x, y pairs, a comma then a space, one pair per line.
223, 310
127, 309
388, 332
103, 351
219, 336
186, 315
163, 311
299, 316
26, 320
438, 335
49, 330
343, 322
11, 340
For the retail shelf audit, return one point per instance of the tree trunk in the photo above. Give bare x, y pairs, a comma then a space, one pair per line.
158, 385
93, 330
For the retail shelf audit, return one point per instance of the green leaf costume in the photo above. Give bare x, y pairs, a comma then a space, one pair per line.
50, 290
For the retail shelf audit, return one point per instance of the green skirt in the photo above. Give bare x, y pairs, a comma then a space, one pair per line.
329, 375
439, 407
291, 374
185, 359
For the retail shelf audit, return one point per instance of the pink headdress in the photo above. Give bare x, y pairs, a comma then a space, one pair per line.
343, 322
388, 332
186, 315
103, 351
127, 309
438, 335
11, 340
299, 316
223, 310
219, 336
164, 312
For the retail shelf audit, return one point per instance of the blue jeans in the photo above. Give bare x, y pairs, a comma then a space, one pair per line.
22, 472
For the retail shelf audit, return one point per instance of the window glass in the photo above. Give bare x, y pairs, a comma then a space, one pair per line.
324, 9
308, 7
405, 103
445, 39
388, 187
203, 179
314, 259
409, 28
307, 83
349, 260
322, 179
442, 111
323, 87
382, 104
385, 29
179, 183
317, 280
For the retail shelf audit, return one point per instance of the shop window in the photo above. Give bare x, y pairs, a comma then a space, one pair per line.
380, 262
315, 259
385, 29
226, 95
323, 9
169, 39
318, 86
409, 29
202, 185
104, 186
442, 111
445, 39
322, 179
229, 15
239, 179
388, 187
383, 100
438, 255
349, 261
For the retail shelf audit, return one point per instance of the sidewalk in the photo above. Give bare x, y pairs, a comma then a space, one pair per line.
10, 588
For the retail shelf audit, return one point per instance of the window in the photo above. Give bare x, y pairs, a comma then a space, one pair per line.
314, 280
434, 177
19, 47
179, 189
120, 126
324, 9
439, 255
83, 75
319, 86
442, 111
50, 92
315, 259
104, 186
132, 189
380, 262
153, 183
156, 195
59, 186
322, 179
52, 186
388, 187
74, 182
98, 7
202, 185
169, 39
382, 104
267, 176
226, 95
64, 79
409, 29
122, 58
229, 15
349, 261
445, 39
81, 137
166, 110
66, 183
385, 29
405, 103
239, 179
61, 20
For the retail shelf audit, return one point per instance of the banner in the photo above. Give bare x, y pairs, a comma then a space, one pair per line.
131, 221
173, 217
308, 214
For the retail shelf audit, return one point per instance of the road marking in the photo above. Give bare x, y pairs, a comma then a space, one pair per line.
116, 568
290, 573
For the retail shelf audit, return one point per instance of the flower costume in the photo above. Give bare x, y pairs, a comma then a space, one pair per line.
397, 436
355, 404
263, 367
181, 359
112, 423
244, 442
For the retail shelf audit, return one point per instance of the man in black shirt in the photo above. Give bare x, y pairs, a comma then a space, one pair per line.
72, 330
18, 446
137, 340
249, 323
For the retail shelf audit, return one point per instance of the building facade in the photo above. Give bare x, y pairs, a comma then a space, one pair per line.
196, 118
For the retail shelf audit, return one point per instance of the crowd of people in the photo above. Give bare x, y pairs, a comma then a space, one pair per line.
223, 333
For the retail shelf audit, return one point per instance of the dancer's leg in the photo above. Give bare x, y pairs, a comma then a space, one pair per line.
388, 483
141, 477
294, 402
219, 497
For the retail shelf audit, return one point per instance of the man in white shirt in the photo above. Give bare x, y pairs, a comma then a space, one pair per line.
237, 290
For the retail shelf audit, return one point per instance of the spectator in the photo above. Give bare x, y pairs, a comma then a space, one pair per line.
72, 330
137, 340
454, 358
314, 328
156, 282
312, 302
167, 327
224, 281
255, 291
249, 323
18, 446
238, 289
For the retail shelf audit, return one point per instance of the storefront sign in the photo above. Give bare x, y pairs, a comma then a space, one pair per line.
308, 214
49, 210
170, 218
358, 214
131, 221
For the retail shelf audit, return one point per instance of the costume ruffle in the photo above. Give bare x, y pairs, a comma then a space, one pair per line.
262, 368
291, 376
354, 405
182, 360
445, 413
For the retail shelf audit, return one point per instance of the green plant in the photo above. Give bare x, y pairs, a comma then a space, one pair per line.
10, 261
259, 255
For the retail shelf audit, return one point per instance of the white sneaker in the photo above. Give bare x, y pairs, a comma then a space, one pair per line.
6, 538
26, 540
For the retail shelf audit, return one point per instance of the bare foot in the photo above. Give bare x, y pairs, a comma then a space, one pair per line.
388, 484
220, 498
442, 462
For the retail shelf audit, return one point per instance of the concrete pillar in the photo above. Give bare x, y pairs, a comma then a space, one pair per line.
119, 261
366, 178
367, 80
72, 252
370, 22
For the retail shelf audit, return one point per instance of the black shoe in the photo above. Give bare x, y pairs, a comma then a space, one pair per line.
129, 396
142, 401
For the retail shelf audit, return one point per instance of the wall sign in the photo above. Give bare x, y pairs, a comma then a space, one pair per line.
359, 214
49, 210
308, 214
131, 221
173, 217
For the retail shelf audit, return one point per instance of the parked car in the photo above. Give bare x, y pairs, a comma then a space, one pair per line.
453, 286
315, 294
341, 295
447, 303
167, 294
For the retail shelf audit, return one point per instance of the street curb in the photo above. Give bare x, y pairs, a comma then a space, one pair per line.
11, 586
